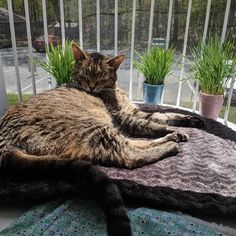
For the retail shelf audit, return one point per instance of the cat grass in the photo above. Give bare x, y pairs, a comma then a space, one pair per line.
213, 64
60, 63
155, 65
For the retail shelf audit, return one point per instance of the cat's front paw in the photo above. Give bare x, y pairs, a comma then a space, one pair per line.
195, 122
179, 137
176, 136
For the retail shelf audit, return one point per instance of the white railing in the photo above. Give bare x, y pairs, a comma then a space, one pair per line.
80, 23
3, 92
30, 45
13, 41
3, 101
132, 50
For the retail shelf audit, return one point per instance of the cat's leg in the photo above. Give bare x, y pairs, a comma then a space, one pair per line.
144, 143
176, 119
148, 152
107, 146
141, 124
145, 127
124, 111
171, 119
19, 166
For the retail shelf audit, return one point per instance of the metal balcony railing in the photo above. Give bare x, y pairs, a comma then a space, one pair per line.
3, 100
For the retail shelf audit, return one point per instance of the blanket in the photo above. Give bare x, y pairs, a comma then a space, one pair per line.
200, 179
83, 217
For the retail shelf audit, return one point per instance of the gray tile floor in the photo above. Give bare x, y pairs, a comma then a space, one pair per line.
9, 214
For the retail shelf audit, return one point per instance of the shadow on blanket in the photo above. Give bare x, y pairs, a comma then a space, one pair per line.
200, 179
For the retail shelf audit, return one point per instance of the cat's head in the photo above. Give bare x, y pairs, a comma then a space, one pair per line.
95, 72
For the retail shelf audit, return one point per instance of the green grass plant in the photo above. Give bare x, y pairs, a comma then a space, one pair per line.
155, 65
213, 65
60, 63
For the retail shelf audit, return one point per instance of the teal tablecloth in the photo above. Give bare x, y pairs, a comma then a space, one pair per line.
80, 217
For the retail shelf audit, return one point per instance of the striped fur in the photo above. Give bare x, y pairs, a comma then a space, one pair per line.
56, 133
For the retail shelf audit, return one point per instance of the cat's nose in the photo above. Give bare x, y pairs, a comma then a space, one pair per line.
92, 86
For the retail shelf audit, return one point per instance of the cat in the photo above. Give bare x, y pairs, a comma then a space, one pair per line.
61, 133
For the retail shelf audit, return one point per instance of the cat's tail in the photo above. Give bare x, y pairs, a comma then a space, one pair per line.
17, 166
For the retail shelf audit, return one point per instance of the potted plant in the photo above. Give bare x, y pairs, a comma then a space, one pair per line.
213, 65
60, 63
155, 65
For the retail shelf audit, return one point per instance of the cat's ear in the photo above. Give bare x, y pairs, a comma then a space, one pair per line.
78, 52
116, 61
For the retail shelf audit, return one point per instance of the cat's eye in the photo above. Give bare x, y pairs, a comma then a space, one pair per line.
85, 78
101, 79
82, 77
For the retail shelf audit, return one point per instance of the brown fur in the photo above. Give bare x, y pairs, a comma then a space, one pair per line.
91, 121
51, 135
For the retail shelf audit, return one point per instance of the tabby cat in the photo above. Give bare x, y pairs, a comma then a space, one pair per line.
58, 134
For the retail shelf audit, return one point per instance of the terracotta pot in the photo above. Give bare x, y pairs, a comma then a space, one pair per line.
210, 105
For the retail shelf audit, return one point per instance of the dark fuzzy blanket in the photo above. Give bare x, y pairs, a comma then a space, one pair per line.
200, 179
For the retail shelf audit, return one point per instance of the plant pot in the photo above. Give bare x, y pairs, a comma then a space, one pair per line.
152, 93
210, 105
